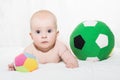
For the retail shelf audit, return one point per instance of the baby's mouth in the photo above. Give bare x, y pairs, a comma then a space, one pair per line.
44, 42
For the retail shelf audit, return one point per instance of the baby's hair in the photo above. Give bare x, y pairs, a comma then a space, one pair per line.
40, 12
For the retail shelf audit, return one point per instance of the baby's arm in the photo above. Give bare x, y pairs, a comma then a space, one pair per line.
67, 57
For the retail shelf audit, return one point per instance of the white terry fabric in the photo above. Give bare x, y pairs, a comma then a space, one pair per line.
104, 70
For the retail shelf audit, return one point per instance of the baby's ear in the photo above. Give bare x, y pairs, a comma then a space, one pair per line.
57, 33
30, 35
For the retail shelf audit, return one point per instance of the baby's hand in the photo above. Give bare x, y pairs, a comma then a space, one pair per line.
11, 67
72, 65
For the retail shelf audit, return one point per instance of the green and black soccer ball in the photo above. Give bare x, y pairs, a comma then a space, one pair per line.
92, 40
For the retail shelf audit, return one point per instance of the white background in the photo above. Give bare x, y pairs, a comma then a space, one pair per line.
15, 16
14, 33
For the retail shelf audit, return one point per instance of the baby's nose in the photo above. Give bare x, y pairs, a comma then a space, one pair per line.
44, 36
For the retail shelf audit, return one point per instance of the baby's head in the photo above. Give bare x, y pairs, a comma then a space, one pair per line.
43, 16
43, 29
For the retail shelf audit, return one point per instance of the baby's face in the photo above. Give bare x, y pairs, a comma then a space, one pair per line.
44, 32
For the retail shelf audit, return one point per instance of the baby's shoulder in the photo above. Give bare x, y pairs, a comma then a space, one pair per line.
29, 48
60, 45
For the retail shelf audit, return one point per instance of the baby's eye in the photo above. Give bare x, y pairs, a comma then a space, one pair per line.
37, 31
49, 31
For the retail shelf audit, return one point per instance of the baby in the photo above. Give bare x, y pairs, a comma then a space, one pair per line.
45, 46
